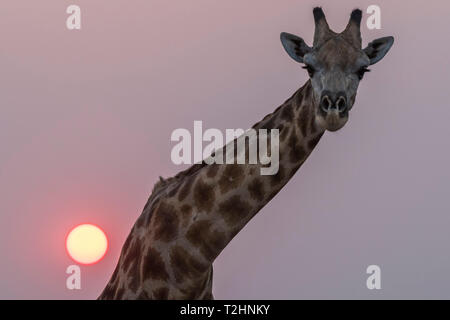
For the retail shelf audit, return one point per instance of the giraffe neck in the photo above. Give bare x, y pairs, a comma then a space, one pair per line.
190, 218
227, 196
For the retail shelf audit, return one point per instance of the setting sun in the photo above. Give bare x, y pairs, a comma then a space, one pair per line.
86, 244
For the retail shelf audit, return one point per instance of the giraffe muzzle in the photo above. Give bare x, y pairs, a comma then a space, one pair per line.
333, 110
330, 102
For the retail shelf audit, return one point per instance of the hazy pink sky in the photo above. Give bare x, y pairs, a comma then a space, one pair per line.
86, 118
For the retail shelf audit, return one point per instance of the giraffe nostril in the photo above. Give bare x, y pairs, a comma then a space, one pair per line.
341, 104
326, 103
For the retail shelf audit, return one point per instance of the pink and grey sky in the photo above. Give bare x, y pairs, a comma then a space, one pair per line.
86, 118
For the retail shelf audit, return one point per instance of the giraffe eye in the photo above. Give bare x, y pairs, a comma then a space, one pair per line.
361, 72
310, 70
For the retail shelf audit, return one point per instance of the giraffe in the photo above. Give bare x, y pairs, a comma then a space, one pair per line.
191, 217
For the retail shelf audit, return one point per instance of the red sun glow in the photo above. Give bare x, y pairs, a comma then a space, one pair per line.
86, 244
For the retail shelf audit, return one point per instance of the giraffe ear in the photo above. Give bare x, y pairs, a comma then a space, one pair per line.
294, 46
377, 49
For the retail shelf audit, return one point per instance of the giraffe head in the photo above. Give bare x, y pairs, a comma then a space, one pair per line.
336, 63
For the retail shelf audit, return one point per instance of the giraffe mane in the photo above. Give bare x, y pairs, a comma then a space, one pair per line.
163, 183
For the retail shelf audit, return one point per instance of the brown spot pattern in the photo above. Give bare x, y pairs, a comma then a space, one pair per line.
278, 177
184, 191
204, 195
234, 210
312, 125
256, 189
184, 265
307, 90
154, 267
165, 223
161, 293
132, 254
287, 113
297, 152
174, 190
209, 242
299, 99
135, 275
303, 120
186, 213
212, 170
284, 133
231, 178
143, 296
149, 213
195, 290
